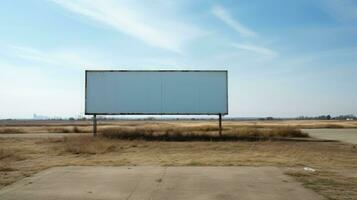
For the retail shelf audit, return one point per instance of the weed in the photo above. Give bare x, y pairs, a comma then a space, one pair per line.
11, 130
7, 154
200, 134
328, 184
87, 145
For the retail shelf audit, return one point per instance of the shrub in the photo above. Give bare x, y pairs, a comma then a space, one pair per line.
86, 145
11, 130
200, 134
74, 129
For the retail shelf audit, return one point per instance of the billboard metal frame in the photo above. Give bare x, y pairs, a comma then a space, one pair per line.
95, 114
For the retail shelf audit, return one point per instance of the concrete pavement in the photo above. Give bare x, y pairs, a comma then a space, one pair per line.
244, 183
344, 135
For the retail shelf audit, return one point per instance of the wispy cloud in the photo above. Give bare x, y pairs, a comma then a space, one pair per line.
132, 19
222, 14
56, 58
33, 54
257, 49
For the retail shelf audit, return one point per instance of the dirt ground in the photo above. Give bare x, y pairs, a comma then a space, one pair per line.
335, 162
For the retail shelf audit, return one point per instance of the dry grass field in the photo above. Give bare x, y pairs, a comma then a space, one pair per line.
18, 126
247, 143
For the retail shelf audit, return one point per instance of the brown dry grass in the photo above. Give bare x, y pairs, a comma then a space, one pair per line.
69, 129
329, 184
5, 154
200, 133
23, 157
20, 157
11, 130
86, 126
297, 123
85, 145
169, 131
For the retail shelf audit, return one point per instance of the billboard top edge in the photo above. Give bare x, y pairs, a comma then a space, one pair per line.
154, 70
143, 113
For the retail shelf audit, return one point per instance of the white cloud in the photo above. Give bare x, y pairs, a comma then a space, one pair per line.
257, 49
66, 58
150, 26
226, 17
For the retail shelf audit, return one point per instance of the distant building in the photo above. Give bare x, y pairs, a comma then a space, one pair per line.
39, 117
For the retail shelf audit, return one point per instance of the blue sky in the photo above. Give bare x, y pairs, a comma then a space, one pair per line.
285, 58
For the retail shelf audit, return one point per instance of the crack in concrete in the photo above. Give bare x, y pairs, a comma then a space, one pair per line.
159, 183
132, 192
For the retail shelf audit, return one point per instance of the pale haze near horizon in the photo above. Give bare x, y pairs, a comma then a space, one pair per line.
285, 58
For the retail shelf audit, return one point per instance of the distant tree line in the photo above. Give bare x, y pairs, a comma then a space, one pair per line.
320, 117
328, 117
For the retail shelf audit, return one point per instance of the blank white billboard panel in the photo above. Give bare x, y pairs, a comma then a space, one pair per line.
156, 92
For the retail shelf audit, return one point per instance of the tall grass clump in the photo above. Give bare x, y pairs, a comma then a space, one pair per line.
8, 154
85, 145
11, 130
71, 129
199, 134
5, 153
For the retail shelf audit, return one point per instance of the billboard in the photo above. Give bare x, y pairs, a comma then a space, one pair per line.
156, 92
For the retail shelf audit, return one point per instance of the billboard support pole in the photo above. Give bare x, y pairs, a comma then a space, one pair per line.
220, 124
94, 125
